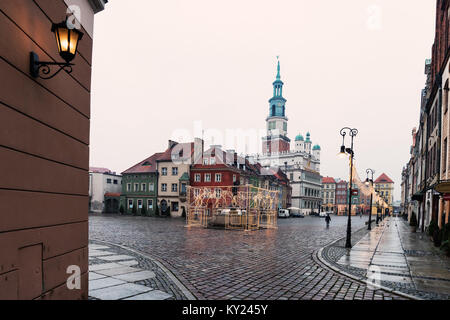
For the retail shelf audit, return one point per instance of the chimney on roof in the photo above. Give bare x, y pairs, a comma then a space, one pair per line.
199, 147
229, 157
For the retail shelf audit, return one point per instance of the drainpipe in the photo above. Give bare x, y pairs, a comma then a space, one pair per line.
438, 138
426, 171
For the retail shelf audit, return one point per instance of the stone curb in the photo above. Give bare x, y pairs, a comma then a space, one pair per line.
189, 295
359, 279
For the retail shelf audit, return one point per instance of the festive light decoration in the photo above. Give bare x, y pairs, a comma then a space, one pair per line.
232, 207
368, 189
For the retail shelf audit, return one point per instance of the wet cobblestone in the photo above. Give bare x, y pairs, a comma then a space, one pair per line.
224, 264
333, 252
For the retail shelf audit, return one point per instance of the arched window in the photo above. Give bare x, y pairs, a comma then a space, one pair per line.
273, 110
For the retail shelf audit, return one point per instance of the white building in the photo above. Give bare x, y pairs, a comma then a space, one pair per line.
103, 182
302, 164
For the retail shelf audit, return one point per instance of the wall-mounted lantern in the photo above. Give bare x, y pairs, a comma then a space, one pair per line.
67, 39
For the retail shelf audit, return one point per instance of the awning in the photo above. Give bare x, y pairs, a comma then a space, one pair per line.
443, 187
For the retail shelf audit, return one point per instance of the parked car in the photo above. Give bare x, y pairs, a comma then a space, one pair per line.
323, 214
283, 213
296, 212
297, 215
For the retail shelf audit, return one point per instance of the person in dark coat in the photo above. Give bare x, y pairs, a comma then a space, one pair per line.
328, 219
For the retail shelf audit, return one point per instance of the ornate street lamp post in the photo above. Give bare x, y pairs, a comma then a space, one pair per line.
343, 152
370, 182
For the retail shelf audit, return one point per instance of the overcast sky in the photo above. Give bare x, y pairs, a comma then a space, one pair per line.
161, 66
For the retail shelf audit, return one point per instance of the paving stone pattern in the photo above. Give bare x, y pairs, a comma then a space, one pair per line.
123, 274
224, 264
386, 254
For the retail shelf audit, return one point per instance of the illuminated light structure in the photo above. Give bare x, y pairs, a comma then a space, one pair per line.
243, 207
364, 192
369, 189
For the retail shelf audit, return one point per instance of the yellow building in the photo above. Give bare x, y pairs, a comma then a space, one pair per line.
385, 188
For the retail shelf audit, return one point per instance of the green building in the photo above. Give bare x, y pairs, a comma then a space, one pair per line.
140, 186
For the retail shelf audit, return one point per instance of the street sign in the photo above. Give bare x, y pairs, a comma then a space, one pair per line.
355, 192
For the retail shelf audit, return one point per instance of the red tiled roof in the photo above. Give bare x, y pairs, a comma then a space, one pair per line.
328, 180
147, 165
112, 194
384, 179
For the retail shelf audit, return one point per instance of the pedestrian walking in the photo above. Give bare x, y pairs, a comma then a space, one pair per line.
327, 220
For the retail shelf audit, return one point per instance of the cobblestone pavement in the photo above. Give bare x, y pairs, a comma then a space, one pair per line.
395, 258
116, 273
223, 264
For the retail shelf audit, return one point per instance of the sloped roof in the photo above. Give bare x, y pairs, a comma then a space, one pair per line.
384, 179
99, 170
147, 165
112, 194
328, 180
220, 157
167, 155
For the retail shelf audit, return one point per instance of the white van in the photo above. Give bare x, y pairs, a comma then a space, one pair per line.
283, 213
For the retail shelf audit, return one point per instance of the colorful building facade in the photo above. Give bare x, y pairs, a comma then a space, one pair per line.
385, 188
140, 186
328, 194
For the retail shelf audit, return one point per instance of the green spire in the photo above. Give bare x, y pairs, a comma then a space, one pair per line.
278, 69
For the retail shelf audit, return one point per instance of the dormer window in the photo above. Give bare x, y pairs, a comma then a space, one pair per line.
205, 161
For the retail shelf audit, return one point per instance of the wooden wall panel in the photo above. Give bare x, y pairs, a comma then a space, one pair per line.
9, 289
30, 272
55, 269
60, 239
55, 240
36, 209
62, 293
44, 157
25, 134
40, 104
17, 53
24, 172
